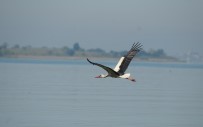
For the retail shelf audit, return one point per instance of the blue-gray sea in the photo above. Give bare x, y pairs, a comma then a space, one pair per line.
64, 93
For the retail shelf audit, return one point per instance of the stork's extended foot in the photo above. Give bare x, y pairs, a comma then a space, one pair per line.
131, 79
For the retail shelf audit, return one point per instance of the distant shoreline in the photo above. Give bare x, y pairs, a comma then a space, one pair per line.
163, 60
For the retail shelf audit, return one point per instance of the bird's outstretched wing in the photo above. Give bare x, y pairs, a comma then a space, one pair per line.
108, 69
129, 56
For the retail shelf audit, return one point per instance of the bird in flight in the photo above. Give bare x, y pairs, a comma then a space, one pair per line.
122, 65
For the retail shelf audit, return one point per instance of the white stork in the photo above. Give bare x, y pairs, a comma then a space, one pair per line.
122, 65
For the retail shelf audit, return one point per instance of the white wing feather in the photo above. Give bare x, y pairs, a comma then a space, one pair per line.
117, 68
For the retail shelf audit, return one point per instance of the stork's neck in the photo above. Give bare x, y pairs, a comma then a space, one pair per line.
104, 76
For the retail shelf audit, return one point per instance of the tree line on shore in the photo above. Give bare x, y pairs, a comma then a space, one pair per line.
76, 50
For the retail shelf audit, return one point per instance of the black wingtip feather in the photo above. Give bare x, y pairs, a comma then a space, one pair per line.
137, 47
90, 61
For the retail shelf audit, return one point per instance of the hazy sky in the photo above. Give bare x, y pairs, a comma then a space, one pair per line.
173, 25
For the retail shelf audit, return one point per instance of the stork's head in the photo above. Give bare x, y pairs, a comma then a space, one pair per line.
101, 76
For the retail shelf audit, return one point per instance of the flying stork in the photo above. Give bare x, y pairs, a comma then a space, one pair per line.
122, 65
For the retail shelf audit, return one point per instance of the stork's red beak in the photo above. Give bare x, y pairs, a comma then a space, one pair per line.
98, 76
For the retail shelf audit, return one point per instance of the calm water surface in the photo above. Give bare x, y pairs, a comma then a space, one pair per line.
65, 94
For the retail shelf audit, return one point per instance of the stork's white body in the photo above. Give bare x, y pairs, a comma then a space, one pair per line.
126, 75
